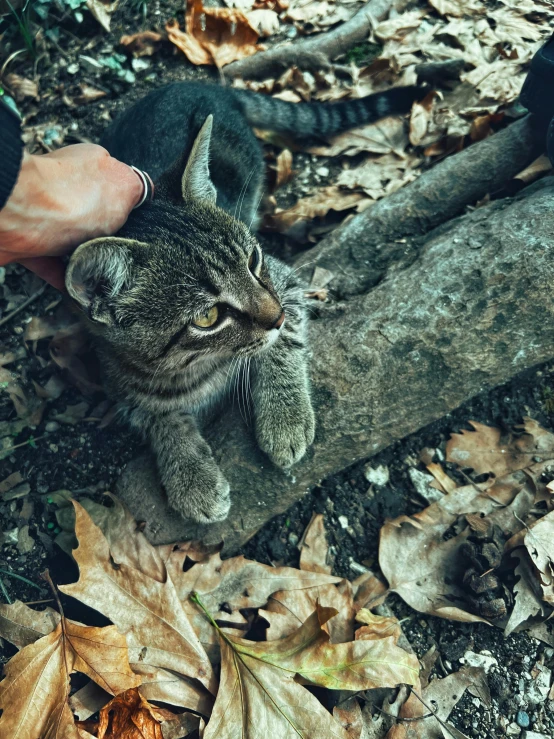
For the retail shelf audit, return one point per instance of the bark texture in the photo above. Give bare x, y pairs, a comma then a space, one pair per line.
362, 250
472, 310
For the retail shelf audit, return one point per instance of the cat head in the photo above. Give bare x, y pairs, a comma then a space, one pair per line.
182, 281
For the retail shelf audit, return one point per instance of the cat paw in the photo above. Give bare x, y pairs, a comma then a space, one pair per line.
202, 495
285, 432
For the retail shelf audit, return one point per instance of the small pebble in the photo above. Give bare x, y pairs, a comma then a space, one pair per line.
343, 520
522, 719
52, 426
293, 538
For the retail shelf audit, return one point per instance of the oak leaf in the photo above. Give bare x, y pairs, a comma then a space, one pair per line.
484, 450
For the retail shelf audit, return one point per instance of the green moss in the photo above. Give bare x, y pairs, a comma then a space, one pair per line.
363, 53
548, 399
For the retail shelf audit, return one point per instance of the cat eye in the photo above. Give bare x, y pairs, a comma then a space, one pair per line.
254, 261
208, 319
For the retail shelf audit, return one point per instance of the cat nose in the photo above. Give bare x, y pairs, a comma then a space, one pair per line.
279, 322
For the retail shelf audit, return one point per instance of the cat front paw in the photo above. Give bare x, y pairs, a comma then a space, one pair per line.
285, 431
200, 492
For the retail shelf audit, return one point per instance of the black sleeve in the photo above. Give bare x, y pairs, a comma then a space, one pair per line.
11, 150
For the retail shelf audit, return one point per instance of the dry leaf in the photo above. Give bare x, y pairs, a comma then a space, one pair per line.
102, 11
314, 547
539, 541
266, 22
377, 176
483, 451
527, 595
420, 117
146, 611
295, 221
21, 87
34, 693
214, 35
433, 581
258, 686
387, 136
89, 94
287, 610
284, 168
21, 625
143, 43
130, 716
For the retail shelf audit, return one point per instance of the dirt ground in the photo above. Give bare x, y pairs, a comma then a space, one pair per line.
80, 457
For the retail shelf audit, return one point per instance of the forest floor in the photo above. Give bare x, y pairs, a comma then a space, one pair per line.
67, 450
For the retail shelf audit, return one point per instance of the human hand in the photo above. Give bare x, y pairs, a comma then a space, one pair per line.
61, 200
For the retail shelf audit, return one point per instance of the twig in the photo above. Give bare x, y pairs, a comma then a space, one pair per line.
24, 304
315, 53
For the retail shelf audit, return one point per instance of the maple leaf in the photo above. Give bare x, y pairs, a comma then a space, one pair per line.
259, 691
35, 691
231, 584
288, 609
146, 611
21, 626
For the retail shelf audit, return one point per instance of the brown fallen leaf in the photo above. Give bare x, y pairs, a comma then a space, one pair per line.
387, 136
283, 169
35, 690
377, 627
143, 43
528, 602
433, 583
103, 10
378, 176
88, 94
21, 87
130, 716
181, 726
484, 451
265, 21
258, 686
287, 610
296, 220
539, 542
228, 586
146, 611
420, 116
21, 625
214, 35
314, 547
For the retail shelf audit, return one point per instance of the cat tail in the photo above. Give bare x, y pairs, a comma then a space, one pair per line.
324, 119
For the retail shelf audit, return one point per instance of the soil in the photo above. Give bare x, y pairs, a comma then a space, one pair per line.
80, 457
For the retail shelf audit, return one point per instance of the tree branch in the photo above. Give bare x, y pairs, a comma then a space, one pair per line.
470, 312
314, 53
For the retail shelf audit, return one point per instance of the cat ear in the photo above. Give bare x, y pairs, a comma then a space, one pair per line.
196, 182
97, 272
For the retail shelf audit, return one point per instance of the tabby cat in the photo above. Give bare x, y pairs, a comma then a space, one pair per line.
182, 299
